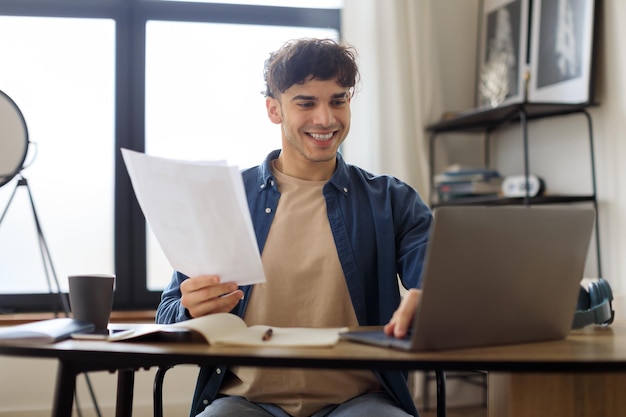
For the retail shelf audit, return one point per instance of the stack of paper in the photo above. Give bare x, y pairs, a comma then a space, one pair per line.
44, 331
199, 215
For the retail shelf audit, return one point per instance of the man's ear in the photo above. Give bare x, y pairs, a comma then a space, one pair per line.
273, 110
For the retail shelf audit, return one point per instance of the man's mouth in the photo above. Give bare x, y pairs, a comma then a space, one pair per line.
322, 136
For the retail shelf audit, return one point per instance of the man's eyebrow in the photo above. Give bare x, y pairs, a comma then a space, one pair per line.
313, 98
303, 97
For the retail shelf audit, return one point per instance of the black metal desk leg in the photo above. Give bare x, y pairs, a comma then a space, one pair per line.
441, 393
125, 390
64, 390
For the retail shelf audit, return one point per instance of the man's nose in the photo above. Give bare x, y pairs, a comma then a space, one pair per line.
324, 115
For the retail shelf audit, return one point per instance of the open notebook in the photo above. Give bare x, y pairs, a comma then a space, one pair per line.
497, 275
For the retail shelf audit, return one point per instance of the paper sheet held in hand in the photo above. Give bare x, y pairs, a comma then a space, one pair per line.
199, 215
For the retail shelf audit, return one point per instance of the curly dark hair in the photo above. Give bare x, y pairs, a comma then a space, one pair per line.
303, 59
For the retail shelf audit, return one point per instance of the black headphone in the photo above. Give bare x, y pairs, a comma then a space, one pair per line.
594, 305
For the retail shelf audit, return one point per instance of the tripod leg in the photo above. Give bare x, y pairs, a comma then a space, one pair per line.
45, 254
4, 213
10, 200
49, 269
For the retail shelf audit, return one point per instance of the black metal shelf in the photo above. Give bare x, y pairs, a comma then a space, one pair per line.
485, 121
506, 201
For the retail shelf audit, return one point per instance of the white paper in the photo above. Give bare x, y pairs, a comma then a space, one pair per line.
199, 215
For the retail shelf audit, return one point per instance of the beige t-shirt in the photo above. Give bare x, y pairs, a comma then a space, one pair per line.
305, 288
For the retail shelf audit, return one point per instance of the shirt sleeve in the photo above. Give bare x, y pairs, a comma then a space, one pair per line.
413, 220
170, 309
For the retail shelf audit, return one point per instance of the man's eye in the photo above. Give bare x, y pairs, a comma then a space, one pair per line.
306, 104
338, 103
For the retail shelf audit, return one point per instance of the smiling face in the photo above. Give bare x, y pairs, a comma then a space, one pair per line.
315, 119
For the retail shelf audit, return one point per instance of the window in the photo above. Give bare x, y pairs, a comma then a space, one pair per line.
175, 79
63, 84
215, 109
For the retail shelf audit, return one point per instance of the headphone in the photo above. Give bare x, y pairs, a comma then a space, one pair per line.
594, 305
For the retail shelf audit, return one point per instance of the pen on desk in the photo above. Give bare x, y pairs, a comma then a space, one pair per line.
267, 335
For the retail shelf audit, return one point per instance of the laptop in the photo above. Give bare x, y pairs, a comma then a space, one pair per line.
497, 275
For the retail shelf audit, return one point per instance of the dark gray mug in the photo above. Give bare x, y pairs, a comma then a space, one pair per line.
91, 299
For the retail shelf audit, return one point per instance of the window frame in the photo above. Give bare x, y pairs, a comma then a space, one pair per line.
131, 17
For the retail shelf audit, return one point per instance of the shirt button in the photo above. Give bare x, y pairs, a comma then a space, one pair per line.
218, 371
268, 210
262, 186
205, 402
345, 190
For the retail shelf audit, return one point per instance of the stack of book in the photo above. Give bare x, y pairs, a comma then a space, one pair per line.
462, 182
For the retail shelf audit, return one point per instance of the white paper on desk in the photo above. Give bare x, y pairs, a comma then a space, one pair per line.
199, 215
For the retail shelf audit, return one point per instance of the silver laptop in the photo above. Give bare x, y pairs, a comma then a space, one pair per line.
497, 275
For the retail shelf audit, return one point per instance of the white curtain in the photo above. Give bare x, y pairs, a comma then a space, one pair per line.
399, 94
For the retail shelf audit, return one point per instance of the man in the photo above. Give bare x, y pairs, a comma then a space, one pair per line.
333, 238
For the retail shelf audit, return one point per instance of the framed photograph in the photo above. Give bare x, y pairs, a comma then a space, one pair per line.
502, 57
561, 56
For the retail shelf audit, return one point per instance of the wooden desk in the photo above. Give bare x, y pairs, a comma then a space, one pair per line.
593, 350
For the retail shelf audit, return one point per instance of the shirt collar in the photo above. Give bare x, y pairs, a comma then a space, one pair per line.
339, 180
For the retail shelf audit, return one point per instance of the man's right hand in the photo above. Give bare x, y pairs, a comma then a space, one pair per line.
400, 323
205, 294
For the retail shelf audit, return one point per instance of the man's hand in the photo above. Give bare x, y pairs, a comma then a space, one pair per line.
402, 318
205, 294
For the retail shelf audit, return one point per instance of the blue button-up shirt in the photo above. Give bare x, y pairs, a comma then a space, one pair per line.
380, 227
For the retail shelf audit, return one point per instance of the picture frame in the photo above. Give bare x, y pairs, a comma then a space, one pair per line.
503, 53
561, 46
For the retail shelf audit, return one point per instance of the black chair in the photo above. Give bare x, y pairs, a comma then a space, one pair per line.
478, 378
157, 389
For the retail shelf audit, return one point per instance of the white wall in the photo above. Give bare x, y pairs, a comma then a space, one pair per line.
611, 143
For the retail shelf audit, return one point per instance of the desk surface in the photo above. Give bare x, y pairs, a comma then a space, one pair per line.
599, 349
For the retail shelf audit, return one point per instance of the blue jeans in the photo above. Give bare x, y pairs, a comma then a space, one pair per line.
375, 404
